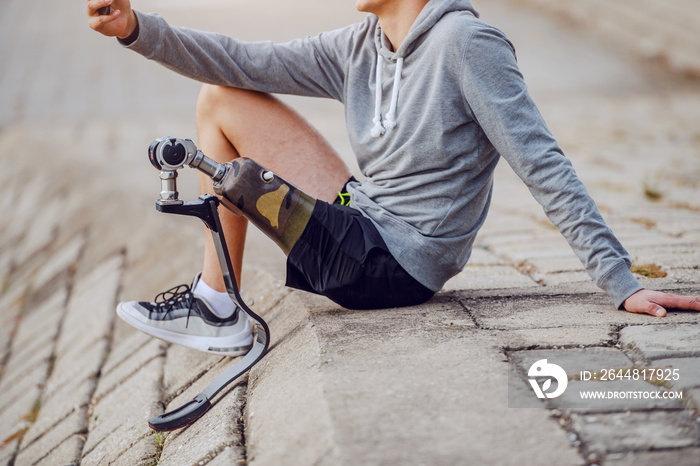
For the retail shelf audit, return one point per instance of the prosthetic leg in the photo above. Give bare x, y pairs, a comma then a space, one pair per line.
272, 204
275, 206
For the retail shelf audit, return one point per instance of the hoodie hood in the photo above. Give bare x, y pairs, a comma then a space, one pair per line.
433, 11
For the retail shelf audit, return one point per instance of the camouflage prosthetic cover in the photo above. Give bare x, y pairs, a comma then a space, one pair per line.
278, 208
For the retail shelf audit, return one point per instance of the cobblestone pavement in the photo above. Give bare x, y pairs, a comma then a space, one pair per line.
430, 384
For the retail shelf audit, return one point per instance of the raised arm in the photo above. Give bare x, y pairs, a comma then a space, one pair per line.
313, 66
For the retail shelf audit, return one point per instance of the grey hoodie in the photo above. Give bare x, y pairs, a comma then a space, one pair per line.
451, 100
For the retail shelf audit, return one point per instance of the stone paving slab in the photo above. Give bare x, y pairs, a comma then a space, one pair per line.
61, 262
550, 265
184, 366
115, 375
23, 272
501, 230
693, 398
561, 278
493, 276
67, 453
143, 453
39, 325
541, 236
677, 257
125, 346
15, 418
11, 303
67, 393
91, 308
8, 450
119, 420
662, 342
688, 371
20, 397
72, 368
593, 335
639, 242
220, 428
441, 313
621, 432
524, 252
481, 256
22, 216
6, 264
689, 276
22, 386
79, 354
556, 307
63, 432
387, 409
680, 457
573, 360
41, 231
229, 456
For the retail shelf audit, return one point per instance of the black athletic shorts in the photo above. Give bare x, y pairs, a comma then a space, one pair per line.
342, 256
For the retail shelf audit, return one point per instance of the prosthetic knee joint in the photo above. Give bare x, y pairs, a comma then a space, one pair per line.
275, 206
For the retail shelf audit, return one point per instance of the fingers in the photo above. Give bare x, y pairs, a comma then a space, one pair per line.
675, 301
93, 7
98, 23
641, 302
655, 310
650, 303
655, 303
96, 20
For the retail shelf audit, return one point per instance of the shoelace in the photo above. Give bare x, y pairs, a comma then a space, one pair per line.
167, 300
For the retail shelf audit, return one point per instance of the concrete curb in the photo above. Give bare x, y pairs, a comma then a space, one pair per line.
326, 390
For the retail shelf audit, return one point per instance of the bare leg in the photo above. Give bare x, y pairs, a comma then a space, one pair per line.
234, 122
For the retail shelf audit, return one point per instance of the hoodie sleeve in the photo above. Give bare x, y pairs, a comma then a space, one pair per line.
314, 66
497, 96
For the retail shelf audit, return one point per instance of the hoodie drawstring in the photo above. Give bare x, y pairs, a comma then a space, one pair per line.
391, 117
378, 129
390, 121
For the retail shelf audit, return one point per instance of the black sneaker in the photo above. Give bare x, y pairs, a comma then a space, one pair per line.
181, 317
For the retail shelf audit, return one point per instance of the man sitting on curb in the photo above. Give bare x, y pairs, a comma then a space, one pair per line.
433, 97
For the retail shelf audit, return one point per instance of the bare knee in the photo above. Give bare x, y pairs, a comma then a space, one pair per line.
220, 114
231, 111
230, 100
212, 99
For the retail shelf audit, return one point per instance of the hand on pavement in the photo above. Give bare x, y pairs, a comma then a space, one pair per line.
656, 303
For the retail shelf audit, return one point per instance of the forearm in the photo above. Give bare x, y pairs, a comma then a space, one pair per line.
220, 60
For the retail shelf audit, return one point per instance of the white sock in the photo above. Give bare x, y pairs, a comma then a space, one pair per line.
220, 302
